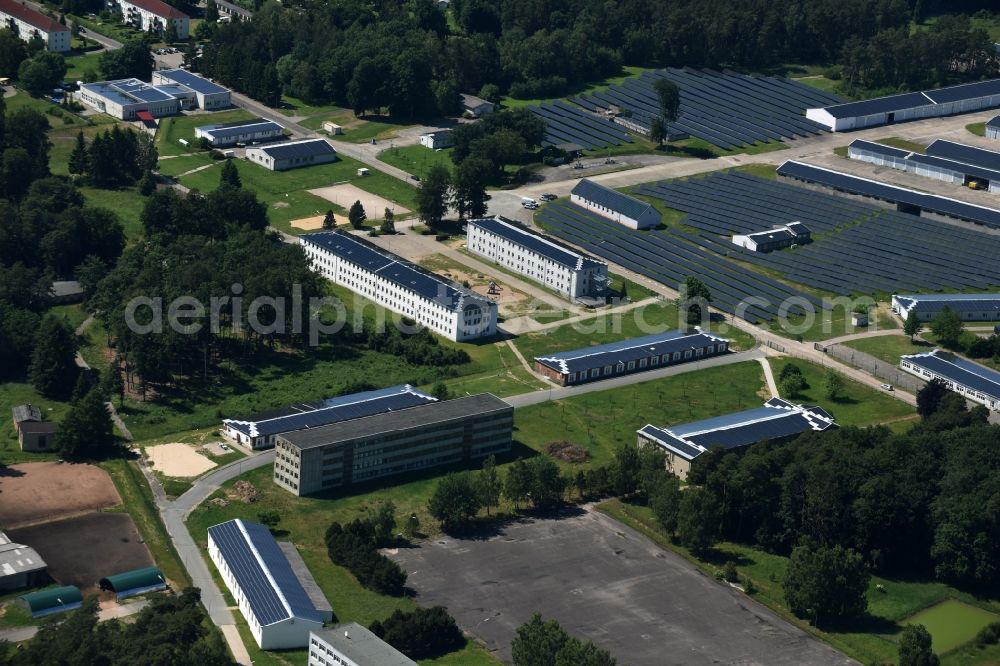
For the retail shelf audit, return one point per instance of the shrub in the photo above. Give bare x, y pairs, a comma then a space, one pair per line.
420, 634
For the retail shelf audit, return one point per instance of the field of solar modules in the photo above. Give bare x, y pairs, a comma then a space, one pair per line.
723, 108
856, 248
669, 258
565, 123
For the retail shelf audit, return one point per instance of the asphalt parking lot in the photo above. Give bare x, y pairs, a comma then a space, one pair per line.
604, 582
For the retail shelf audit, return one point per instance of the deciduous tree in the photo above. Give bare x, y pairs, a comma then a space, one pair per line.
455, 501
356, 215
826, 584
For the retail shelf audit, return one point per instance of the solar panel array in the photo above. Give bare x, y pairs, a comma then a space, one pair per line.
723, 108
668, 257
565, 123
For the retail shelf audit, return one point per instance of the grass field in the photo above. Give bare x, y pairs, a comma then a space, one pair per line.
627, 72
857, 406
63, 140
873, 642
821, 83
888, 348
953, 623
903, 144
417, 159
171, 130
19, 393
83, 66
57, 116
126, 202
979, 129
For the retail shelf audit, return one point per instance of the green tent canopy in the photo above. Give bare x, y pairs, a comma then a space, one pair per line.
136, 581
51, 600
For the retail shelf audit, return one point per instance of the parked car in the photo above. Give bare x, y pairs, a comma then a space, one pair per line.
887, 387
548, 197
415, 177
530, 206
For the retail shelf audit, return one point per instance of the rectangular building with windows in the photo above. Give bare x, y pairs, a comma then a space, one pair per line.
260, 431
293, 154
29, 24
621, 208
970, 307
780, 237
430, 435
391, 281
267, 591
353, 645
571, 273
152, 16
130, 99
777, 420
206, 94
628, 356
244, 131
970, 380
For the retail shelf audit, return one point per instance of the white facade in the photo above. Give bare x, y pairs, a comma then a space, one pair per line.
970, 380
208, 95
436, 140
152, 16
779, 237
570, 273
124, 99
230, 135
969, 307
993, 128
27, 24
647, 220
353, 645
292, 155
471, 317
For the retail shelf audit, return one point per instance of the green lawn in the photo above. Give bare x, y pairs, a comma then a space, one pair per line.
171, 130
126, 202
627, 72
57, 116
290, 106
857, 406
874, 642
603, 420
903, 144
117, 31
83, 66
979, 129
18, 393
888, 348
953, 623
417, 159
339, 116
175, 166
821, 83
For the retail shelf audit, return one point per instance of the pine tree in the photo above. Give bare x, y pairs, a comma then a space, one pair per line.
53, 366
388, 222
356, 216
87, 430
147, 184
230, 176
329, 220
78, 158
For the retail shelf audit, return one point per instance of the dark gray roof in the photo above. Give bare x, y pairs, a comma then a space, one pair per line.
39, 427
361, 646
892, 103
343, 408
624, 351
262, 571
994, 122
535, 242
64, 288
609, 198
878, 148
234, 9
965, 91
16, 558
422, 415
236, 129
305, 577
959, 370
193, 81
954, 166
775, 420
394, 268
957, 302
791, 232
305, 148
27, 412
864, 186
987, 159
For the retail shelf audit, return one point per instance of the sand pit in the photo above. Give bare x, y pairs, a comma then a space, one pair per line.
37, 492
316, 221
346, 194
178, 460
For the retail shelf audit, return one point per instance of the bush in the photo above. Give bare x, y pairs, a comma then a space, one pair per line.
423, 633
218, 155
729, 572
353, 546
989, 635
442, 237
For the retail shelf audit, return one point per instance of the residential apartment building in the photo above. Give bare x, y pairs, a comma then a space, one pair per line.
29, 24
152, 16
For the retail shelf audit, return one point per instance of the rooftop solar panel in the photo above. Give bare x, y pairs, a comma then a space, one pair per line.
192, 81
292, 149
539, 244
627, 350
988, 159
616, 201
959, 370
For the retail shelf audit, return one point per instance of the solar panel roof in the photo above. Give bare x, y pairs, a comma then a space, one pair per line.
140, 90
870, 107
994, 122
535, 242
878, 148
262, 572
864, 186
192, 81
224, 131
623, 351
965, 91
960, 371
988, 159
306, 148
609, 198
954, 166
343, 408
109, 92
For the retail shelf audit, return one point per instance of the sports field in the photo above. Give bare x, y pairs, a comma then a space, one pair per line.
953, 623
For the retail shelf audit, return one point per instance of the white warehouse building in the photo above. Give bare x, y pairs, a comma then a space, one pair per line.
152, 15
970, 307
571, 273
243, 131
949, 101
993, 128
621, 208
970, 380
27, 24
267, 590
293, 154
207, 95
391, 281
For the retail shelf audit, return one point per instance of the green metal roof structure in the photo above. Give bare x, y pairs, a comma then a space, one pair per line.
136, 581
52, 600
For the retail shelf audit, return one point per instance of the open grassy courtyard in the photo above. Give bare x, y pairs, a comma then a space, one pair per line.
417, 159
172, 130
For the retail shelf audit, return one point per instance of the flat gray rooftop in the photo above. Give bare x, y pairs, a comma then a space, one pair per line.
413, 417
603, 582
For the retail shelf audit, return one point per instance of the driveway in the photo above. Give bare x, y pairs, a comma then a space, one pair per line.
607, 583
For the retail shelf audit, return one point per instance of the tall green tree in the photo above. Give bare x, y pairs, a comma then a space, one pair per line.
230, 175
455, 501
826, 584
170, 34
547, 483
517, 483
669, 97
87, 430
388, 222
329, 221
468, 194
947, 326
695, 297
489, 484
132, 60
53, 368
834, 385
432, 196
915, 647
78, 158
657, 130
699, 519
356, 215
912, 325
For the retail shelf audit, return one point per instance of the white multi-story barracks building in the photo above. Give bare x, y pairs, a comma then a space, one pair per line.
152, 15
569, 272
27, 24
456, 313
208, 95
429, 435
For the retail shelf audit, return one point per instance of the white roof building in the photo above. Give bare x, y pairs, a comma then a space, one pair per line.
20, 565
208, 95
353, 645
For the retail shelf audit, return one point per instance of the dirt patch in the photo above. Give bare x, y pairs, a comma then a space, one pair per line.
567, 452
244, 491
178, 460
315, 222
37, 492
81, 551
281, 204
346, 194
510, 301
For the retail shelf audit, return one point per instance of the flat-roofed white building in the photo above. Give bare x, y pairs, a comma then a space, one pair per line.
621, 208
571, 273
437, 140
970, 307
261, 579
28, 24
152, 15
244, 131
445, 308
130, 99
776, 238
353, 645
293, 154
970, 380
207, 95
